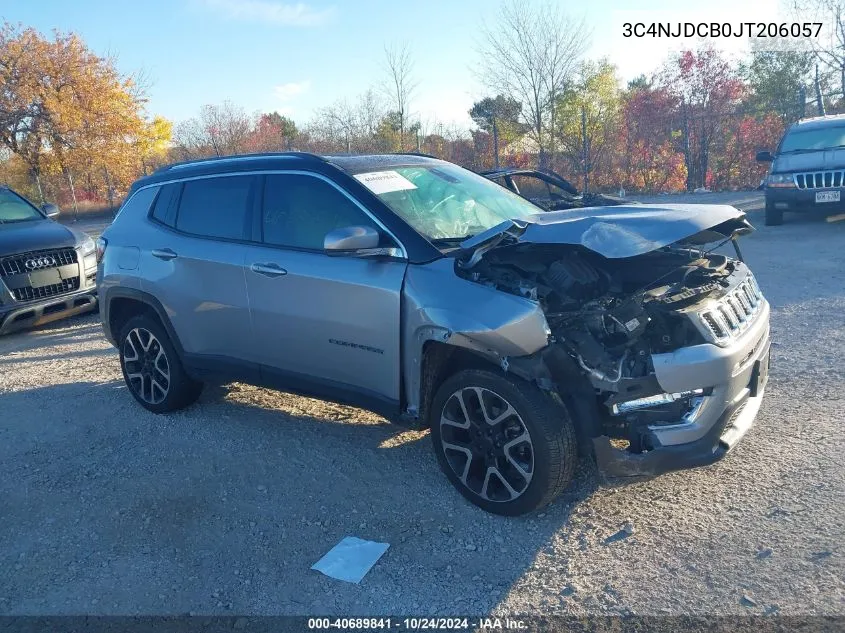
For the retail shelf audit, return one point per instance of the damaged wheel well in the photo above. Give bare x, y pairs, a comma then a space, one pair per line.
550, 369
440, 361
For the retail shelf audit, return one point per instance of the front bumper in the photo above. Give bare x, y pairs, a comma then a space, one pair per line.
803, 200
734, 376
29, 315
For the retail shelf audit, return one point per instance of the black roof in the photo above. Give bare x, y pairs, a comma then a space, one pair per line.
350, 163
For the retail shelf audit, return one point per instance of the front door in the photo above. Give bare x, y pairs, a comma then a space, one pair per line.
322, 324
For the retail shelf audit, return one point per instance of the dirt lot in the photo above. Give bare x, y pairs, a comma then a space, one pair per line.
223, 508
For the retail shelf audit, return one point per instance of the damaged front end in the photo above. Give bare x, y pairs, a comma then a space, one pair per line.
658, 346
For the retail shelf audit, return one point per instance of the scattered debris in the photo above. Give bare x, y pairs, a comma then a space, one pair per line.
626, 531
817, 556
747, 601
764, 553
350, 559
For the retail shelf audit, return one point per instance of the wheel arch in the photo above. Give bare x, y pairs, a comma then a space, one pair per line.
121, 304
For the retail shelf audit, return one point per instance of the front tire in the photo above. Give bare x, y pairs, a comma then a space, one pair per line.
774, 217
507, 446
152, 369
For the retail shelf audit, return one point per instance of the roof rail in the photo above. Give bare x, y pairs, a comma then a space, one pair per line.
237, 157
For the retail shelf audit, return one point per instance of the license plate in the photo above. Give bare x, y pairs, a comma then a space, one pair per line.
760, 375
38, 278
827, 196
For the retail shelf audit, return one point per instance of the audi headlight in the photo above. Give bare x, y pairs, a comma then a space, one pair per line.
88, 246
780, 181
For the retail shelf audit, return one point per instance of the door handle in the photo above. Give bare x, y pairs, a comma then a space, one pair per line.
268, 270
164, 253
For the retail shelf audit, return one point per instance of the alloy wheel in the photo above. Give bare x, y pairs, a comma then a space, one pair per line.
146, 366
486, 444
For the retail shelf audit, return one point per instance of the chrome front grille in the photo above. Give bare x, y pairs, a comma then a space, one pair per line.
820, 179
41, 274
17, 264
733, 314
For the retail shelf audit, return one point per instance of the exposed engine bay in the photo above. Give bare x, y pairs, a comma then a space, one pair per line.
611, 315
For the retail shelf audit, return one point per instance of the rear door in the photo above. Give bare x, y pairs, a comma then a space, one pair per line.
322, 324
194, 265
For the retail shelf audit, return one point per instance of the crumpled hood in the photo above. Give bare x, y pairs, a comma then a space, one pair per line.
621, 231
809, 161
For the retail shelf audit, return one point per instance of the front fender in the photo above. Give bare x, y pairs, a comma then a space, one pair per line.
437, 305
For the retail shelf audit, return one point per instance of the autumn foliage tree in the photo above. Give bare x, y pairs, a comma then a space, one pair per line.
70, 115
647, 158
709, 90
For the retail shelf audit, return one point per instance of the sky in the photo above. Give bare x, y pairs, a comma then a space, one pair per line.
295, 56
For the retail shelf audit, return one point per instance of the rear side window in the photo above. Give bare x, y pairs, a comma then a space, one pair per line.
216, 207
299, 210
164, 209
139, 203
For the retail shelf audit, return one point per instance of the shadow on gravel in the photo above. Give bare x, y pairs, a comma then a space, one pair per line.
61, 332
223, 508
88, 353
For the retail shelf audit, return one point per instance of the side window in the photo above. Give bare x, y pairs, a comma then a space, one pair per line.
531, 188
216, 207
138, 203
299, 210
164, 209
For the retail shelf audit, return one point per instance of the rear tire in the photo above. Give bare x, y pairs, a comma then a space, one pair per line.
774, 217
152, 368
507, 446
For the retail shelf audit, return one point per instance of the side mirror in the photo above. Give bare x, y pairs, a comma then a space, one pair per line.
351, 238
765, 156
357, 241
50, 210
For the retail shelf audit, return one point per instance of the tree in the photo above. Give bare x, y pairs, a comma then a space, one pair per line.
529, 56
219, 130
498, 116
589, 111
778, 80
647, 158
400, 84
271, 132
64, 108
709, 90
154, 142
829, 48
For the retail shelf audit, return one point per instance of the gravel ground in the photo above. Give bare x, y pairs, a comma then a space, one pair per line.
223, 508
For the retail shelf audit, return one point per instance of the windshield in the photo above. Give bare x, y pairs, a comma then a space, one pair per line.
809, 140
13, 208
446, 202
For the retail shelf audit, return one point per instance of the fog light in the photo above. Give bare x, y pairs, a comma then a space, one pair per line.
652, 401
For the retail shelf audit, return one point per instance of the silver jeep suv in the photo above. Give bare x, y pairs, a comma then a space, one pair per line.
437, 298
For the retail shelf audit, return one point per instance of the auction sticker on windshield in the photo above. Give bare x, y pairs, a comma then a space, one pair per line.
385, 181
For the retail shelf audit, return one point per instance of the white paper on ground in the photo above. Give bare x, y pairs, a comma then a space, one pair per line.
350, 559
384, 181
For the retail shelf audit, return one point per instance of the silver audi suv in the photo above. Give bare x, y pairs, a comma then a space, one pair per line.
411, 287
